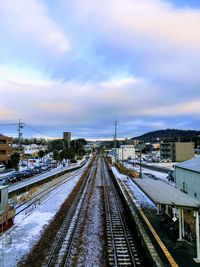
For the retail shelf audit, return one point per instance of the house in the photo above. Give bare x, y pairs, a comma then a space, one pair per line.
33, 149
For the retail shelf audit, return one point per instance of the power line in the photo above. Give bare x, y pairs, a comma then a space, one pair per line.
35, 130
21, 125
8, 124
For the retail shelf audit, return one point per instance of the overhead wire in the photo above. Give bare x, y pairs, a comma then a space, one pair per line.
36, 130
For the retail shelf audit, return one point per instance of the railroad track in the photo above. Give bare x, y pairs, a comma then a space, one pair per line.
122, 246
63, 248
41, 195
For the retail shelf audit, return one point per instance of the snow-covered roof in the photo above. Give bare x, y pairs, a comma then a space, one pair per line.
3, 186
162, 193
192, 164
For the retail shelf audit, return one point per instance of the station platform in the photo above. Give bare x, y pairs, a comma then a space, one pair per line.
182, 253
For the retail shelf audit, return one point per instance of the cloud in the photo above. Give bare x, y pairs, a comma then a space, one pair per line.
151, 38
90, 107
153, 19
28, 30
189, 107
91, 62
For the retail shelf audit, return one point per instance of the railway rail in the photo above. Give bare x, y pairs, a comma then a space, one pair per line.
62, 250
41, 195
122, 245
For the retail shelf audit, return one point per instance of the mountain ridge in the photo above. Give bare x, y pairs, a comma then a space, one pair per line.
170, 135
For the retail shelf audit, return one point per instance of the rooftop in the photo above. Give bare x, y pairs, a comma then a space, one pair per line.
162, 193
192, 164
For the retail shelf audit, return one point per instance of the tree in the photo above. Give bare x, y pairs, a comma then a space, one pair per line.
78, 146
15, 158
70, 153
63, 154
41, 154
56, 145
56, 155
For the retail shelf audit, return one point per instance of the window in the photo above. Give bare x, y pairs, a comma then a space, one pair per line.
2, 152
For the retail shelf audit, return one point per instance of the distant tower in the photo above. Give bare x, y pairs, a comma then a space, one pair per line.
67, 137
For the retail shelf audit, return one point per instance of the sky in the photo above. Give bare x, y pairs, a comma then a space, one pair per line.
80, 65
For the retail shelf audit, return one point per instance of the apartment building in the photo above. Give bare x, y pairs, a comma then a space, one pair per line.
177, 152
6, 149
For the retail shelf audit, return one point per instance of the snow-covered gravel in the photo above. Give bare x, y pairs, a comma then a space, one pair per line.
19, 240
159, 175
92, 246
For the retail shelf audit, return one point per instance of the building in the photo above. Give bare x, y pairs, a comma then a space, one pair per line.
156, 146
187, 177
33, 149
125, 152
177, 152
67, 138
133, 142
6, 149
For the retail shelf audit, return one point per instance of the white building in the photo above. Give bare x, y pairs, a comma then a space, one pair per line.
187, 176
125, 152
33, 149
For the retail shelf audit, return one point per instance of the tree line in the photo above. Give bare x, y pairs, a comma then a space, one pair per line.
59, 148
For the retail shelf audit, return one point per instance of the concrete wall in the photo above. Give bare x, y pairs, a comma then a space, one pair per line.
3, 197
189, 180
126, 152
184, 151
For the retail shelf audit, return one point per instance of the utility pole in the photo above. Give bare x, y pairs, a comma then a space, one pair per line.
140, 162
141, 146
20, 126
115, 139
122, 154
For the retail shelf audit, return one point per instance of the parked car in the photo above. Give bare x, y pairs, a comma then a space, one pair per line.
12, 178
44, 167
2, 167
73, 161
170, 176
27, 173
37, 170
155, 159
3, 181
18, 175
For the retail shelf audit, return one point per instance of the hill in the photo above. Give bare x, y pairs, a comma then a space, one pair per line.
170, 135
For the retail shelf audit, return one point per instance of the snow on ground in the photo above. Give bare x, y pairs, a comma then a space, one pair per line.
160, 175
139, 195
168, 165
19, 240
